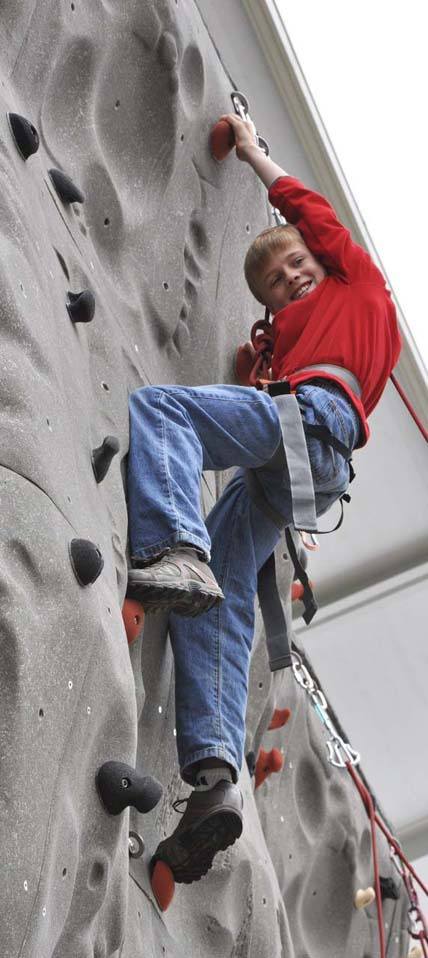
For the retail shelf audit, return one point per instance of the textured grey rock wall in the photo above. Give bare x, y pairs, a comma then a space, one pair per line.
123, 96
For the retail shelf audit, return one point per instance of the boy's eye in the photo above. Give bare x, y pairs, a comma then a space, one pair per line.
276, 280
298, 260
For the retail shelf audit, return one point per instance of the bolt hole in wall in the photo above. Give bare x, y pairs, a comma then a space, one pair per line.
41, 713
117, 104
106, 387
106, 221
64, 872
165, 286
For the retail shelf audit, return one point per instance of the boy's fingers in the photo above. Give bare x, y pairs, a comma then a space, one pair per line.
238, 122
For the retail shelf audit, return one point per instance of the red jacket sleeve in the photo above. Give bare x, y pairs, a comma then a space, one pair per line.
322, 232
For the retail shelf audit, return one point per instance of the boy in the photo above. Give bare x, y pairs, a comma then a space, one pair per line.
331, 310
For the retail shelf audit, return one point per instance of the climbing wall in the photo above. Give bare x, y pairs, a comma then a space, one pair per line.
126, 272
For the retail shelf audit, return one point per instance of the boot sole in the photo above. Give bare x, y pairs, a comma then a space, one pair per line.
191, 855
186, 602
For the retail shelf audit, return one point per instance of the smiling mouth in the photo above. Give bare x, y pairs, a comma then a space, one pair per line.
302, 290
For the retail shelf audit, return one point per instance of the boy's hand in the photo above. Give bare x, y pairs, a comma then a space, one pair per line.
245, 135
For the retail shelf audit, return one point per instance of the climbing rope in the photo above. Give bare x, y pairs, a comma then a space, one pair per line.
417, 925
409, 406
342, 755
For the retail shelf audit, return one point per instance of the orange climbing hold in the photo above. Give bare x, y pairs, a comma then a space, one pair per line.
267, 763
163, 885
222, 140
133, 618
279, 718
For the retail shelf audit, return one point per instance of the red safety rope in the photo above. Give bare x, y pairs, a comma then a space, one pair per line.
371, 812
415, 913
407, 403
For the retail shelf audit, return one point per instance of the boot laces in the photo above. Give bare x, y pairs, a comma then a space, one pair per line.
180, 801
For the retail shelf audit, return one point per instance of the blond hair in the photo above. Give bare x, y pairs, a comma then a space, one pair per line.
269, 241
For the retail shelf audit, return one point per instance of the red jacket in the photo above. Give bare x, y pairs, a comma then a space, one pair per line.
349, 319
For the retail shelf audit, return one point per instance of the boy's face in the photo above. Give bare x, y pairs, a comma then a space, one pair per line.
289, 275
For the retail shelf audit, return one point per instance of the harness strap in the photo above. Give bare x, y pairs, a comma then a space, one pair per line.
340, 372
324, 434
274, 621
291, 456
308, 598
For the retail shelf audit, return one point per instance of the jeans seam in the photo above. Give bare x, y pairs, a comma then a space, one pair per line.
164, 459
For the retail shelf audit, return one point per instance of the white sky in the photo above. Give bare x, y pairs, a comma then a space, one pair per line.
366, 64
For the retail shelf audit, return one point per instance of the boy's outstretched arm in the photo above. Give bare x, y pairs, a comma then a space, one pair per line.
248, 151
313, 215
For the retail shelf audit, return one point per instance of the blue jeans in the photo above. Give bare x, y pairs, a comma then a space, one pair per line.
175, 433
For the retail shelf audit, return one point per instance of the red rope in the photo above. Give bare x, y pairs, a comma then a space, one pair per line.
370, 809
407, 403
422, 934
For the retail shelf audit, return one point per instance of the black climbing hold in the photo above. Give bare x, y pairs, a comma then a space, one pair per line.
250, 759
25, 135
120, 785
81, 306
86, 560
67, 191
389, 888
103, 455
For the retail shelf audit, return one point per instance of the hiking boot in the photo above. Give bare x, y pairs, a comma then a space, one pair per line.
179, 581
212, 821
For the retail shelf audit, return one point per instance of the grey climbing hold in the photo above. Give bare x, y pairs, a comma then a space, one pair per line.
86, 560
25, 135
67, 191
81, 306
120, 785
103, 455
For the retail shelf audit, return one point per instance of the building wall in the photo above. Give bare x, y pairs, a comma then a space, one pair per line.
123, 97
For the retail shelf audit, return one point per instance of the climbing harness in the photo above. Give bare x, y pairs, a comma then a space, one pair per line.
292, 458
339, 751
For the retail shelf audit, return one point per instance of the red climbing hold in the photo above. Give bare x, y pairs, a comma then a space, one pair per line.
163, 885
297, 590
133, 619
279, 718
222, 140
267, 763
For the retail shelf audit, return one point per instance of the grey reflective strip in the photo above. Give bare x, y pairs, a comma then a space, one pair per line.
338, 371
299, 468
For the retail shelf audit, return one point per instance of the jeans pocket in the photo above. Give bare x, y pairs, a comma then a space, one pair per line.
327, 464
324, 460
